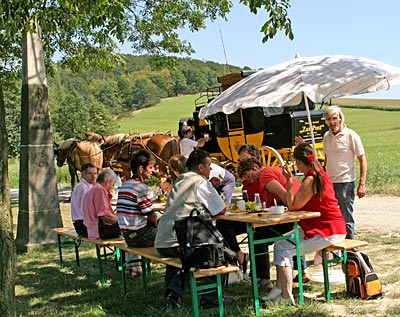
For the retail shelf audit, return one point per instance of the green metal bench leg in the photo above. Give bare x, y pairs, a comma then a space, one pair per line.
120, 254
145, 263
346, 271
201, 289
326, 275
325, 262
60, 251
100, 265
220, 298
76, 245
61, 245
195, 299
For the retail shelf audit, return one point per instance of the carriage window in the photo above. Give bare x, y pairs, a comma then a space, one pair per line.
235, 120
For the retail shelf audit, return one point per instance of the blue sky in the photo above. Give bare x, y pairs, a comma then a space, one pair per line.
357, 27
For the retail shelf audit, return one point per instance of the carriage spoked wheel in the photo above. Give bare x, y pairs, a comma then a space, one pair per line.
270, 156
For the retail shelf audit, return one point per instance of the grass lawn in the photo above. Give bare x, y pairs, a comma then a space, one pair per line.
43, 289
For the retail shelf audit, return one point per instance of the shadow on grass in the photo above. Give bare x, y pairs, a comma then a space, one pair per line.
43, 289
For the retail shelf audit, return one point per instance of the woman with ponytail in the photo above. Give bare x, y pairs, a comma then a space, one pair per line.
316, 193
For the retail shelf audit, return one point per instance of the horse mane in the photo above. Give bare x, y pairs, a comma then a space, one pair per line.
66, 144
146, 135
115, 138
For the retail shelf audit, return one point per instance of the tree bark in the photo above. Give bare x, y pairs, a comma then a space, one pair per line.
7, 245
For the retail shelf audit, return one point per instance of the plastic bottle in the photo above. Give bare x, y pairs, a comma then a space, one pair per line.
245, 196
257, 201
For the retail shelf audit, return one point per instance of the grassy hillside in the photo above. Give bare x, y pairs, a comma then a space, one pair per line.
160, 118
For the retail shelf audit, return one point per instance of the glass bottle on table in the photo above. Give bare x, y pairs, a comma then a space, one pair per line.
257, 202
245, 196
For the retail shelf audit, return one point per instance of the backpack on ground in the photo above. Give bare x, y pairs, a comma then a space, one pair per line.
362, 281
201, 245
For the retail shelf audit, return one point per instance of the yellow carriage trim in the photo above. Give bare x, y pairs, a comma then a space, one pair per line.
230, 144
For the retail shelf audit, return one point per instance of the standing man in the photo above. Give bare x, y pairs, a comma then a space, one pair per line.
89, 175
342, 146
136, 217
190, 190
188, 144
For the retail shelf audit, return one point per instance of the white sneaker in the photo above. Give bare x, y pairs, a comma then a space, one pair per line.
280, 300
274, 293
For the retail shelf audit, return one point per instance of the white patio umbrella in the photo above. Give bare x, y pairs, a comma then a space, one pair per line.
319, 78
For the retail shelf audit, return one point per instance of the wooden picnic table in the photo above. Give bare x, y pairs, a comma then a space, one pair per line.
266, 219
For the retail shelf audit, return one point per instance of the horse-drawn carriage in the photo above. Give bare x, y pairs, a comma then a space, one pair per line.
271, 129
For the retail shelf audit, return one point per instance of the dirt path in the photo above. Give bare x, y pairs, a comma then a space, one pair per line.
378, 211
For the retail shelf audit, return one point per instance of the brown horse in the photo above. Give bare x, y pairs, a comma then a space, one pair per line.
118, 149
77, 153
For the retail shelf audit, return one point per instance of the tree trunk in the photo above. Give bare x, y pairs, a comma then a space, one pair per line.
7, 245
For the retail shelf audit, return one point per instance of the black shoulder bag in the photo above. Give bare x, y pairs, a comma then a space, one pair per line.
201, 245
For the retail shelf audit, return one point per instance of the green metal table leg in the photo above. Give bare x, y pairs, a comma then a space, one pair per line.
256, 301
298, 255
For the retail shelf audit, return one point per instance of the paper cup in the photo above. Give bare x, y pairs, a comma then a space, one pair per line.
278, 210
241, 205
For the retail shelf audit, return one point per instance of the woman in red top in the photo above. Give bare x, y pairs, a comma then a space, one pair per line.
316, 193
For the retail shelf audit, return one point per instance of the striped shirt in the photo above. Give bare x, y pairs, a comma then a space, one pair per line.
133, 205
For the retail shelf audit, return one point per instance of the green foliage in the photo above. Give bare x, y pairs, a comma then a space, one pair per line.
277, 11
12, 103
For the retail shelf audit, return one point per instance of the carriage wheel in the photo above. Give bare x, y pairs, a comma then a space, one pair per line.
270, 156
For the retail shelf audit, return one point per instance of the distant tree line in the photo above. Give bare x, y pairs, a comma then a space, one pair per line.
90, 101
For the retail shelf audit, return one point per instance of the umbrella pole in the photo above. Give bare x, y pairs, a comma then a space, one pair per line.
310, 124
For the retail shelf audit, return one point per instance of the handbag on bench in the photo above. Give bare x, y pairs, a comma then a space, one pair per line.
107, 231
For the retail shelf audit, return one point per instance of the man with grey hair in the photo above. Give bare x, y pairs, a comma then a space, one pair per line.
342, 146
97, 203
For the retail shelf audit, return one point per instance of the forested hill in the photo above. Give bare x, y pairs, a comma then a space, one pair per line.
133, 86
91, 100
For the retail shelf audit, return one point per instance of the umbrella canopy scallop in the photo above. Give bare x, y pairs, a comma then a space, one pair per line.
320, 78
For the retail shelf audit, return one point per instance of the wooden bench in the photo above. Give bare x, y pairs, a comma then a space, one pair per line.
151, 254
343, 247
72, 238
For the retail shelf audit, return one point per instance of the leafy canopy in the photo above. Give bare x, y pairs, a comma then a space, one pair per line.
87, 33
